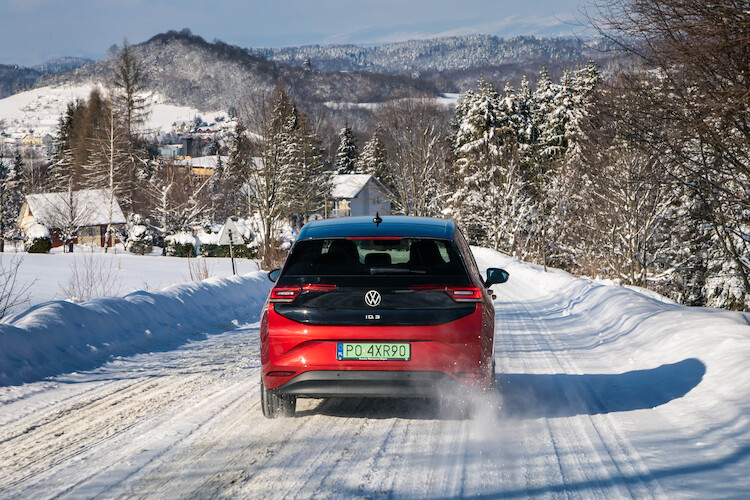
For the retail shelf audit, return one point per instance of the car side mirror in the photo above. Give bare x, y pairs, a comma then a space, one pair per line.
274, 275
496, 275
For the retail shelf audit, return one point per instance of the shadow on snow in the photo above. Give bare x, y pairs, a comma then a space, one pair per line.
563, 395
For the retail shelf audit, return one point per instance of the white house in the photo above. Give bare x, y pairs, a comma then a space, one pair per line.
89, 211
359, 194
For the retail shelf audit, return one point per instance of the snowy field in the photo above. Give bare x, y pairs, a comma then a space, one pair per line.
49, 275
604, 392
39, 110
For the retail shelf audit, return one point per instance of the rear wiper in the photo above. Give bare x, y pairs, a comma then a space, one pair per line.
395, 270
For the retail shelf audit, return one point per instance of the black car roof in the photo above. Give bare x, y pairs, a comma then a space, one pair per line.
392, 225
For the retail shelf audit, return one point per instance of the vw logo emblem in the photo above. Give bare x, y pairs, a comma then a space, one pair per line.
372, 298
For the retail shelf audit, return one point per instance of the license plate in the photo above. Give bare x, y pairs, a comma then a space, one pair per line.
381, 351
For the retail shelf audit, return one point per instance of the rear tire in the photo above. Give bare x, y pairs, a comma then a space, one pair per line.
276, 405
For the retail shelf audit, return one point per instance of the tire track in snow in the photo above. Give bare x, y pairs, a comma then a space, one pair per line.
94, 429
69, 432
101, 423
170, 433
592, 452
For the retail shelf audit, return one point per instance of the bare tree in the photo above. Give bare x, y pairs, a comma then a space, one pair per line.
109, 166
130, 93
415, 136
10, 200
66, 213
13, 292
691, 103
90, 277
257, 160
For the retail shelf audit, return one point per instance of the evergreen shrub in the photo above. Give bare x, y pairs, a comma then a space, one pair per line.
39, 245
140, 247
181, 250
240, 251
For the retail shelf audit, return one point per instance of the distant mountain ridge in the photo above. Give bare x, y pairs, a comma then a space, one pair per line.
438, 54
61, 64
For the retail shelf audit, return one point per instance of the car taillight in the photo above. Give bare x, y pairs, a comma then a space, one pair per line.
457, 293
286, 294
465, 293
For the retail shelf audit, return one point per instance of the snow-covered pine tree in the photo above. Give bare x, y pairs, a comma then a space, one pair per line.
222, 194
179, 201
346, 154
139, 239
130, 98
308, 175
240, 168
473, 147
568, 185
490, 199
11, 200
549, 117
373, 159
63, 169
257, 161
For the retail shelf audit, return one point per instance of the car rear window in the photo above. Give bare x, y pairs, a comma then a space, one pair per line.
374, 256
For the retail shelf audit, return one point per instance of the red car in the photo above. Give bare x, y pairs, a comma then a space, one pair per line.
384, 307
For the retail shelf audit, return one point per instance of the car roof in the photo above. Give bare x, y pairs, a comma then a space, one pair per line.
392, 225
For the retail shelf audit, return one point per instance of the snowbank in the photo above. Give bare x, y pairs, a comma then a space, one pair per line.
614, 329
60, 336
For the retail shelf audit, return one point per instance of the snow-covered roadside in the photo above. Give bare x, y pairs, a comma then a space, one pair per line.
636, 329
59, 336
675, 377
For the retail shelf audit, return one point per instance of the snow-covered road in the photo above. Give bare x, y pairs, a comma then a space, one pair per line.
599, 397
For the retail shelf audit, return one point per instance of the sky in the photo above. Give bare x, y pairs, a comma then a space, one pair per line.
35, 31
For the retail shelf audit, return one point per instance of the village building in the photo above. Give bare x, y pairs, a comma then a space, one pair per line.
359, 194
172, 151
202, 166
87, 213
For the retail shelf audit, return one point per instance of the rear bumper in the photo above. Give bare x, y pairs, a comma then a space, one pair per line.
302, 359
361, 383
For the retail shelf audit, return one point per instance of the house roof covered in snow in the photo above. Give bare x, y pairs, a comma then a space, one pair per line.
347, 186
89, 207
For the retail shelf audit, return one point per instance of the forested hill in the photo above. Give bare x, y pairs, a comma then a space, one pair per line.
439, 54
14, 79
188, 70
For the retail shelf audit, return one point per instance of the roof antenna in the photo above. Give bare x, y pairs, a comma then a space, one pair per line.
377, 220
